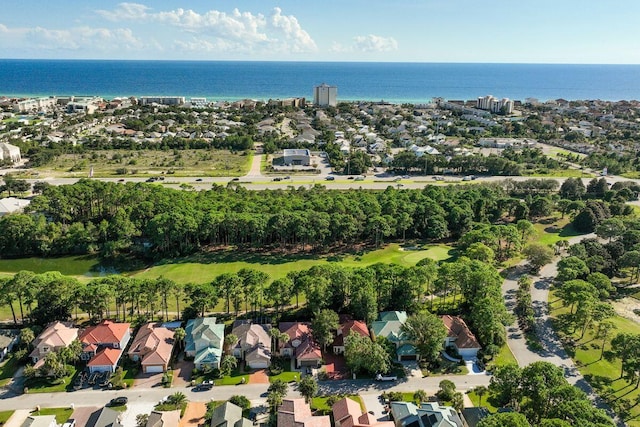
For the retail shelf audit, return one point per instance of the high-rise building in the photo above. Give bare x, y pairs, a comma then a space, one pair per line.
325, 95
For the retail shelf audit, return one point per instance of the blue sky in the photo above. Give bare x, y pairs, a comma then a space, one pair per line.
541, 31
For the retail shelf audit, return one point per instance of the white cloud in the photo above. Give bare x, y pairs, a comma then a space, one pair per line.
130, 11
76, 38
299, 40
221, 31
373, 43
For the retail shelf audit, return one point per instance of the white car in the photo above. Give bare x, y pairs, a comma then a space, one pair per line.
379, 377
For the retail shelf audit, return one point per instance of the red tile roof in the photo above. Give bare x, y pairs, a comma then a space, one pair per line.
105, 332
106, 357
458, 329
347, 327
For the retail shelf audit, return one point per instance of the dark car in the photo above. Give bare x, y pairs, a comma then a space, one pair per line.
118, 401
277, 178
236, 179
199, 179
204, 386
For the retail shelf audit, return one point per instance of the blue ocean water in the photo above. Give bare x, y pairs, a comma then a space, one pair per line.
393, 82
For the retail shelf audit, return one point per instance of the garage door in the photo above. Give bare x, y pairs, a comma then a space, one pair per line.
154, 369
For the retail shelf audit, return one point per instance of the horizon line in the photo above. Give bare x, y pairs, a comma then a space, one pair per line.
317, 61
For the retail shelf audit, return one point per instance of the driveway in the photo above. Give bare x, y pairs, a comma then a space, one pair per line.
372, 403
259, 377
135, 408
82, 414
18, 418
148, 380
182, 373
193, 415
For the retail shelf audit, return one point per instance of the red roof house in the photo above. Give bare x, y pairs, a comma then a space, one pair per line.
107, 335
300, 345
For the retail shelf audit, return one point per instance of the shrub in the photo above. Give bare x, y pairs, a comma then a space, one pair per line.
241, 401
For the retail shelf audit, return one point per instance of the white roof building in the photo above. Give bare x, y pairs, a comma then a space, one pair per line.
11, 204
9, 152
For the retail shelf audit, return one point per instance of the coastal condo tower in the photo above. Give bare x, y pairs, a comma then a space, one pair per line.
325, 95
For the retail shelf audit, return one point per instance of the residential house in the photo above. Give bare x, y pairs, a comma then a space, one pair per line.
203, 341
254, 344
389, 325
297, 413
229, 415
103, 345
164, 419
105, 417
40, 421
347, 413
300, 345
428, 414
460, 337
473, 416
152, 347
8, 339
348, 326
56, 335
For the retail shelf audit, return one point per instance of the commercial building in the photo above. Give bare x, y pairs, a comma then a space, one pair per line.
34, 104
489, 103
161, 100
297, 157
325, 95
9, 152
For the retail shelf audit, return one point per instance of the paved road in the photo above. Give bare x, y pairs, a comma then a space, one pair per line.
552, 349
9, 400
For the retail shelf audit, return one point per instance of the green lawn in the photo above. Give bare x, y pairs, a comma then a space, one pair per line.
319, 403
7, 369
205, 267
286, 376
235, 378
69, 266
504, 357
486, 401
62, 414
603, 374
109, 163
50, 385
557, 173
4, 416
549, 234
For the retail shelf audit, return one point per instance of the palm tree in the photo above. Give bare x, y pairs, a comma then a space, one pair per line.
308, 387
420, 396
26, 337
480, 391
179, 335
177, 399
274, 399
229, 342
227, 364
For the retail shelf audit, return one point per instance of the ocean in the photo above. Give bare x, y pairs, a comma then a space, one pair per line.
392, 82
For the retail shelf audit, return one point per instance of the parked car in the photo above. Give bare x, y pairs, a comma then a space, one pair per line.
70, 423
330, 178
118, 401
380, 377
277, 178
198, 179
204, 386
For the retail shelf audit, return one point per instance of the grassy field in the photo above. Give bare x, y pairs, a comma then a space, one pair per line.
319, 403
49, 385
4, 416
552, 232
559, 173
203, 268
69, 266
603, 374
7, 369
504, 357
109, 163
62, 414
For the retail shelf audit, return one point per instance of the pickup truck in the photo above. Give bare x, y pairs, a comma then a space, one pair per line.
379, 377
